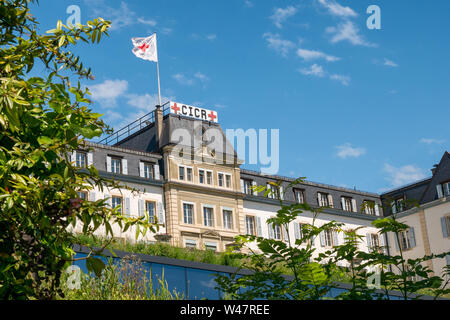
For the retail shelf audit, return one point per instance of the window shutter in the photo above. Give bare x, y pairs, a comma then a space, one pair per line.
73, 157
330, 201
127, 207
92, 196
258, 227
161, 215
318, 199
90, 159
343, 203
397, 246
444, 227
255, 193
369, 244
269, 227
383, 242
124, 166
412, 237
440, 192
297, 233
322, 239
281, 193
141, 207
270, 195
335, 238
447, 259
242, 186
286, 235
141, 170
108, 163
156, 167
377, 209
354, 207
394, 207
108, 199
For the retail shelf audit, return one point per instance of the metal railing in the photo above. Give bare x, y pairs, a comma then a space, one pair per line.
133, 127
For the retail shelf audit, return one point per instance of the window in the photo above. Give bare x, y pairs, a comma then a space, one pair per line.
192, 244
116, 165
201, 176
246, 186
373, 241
369, 207
274, 194
81, 160
148, 171
209, 177
407, 239
445, 222
327, 238
228, 180
115, 202
208, 216
189, 174
299, 195
250, 225
446, 187
398, 205
347, 204
150, 207
181, 173
323, 199
82, 195
220, 179
227, 219
276, 229
211, 246
188, 210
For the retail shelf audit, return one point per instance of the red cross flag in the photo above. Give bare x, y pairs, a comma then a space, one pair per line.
145, 48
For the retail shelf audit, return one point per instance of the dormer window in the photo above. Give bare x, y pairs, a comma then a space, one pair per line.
116, 165
81, 159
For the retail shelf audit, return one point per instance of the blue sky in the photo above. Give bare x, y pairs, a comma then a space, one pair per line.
355, 107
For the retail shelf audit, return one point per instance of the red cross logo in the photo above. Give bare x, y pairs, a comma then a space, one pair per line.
144, 46
175, 108
212, 116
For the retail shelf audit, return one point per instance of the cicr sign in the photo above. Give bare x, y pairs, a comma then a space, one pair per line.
193, 112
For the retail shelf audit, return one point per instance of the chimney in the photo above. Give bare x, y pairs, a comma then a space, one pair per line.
158, 125
433, 170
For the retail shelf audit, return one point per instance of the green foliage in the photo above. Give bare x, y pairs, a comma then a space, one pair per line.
127, 280
314, 275
42, 119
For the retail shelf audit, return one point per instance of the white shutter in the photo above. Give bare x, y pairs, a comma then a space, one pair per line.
382, 237
108, 164
439, 191
156, 167
330, 201
270, 195
355, 209
322, 238
90, 159
141, 170
286, 235
127, 207
108, 198
242, 186
270, 229
255, 193
444, 227
73, 157
92, 196
318, 199
124, 166
393, 207
258, 227
335, 238
412, 238
377, 209
281, 193
297, 234
369, 244
141, 207
343, 203
397, 245
161, 215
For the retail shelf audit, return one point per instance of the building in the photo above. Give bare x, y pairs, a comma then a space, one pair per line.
191, 181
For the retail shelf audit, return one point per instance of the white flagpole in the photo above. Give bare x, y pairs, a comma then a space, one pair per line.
157, 71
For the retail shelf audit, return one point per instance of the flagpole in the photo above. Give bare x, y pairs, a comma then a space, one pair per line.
157, 71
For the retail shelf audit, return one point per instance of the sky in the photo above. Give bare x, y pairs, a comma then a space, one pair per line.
355, 107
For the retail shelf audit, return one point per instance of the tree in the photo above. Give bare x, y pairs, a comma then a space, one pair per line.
42, 120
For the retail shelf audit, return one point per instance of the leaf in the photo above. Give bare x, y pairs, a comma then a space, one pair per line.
45, 140
96, 265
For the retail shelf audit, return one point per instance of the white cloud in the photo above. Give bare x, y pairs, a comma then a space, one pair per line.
202, 77
431, 141
345, 80
403, 175
313, 55
149, 22
347, 31
249, 4
107, 92
390, 63
182, 79
335, 9
281, 15
275, 42
346, 150
211, 37
146, 102
314, 70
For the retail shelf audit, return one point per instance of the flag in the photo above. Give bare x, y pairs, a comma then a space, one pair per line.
145, 48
